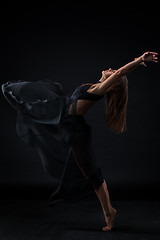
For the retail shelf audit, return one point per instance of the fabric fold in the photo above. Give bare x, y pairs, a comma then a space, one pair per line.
43, 122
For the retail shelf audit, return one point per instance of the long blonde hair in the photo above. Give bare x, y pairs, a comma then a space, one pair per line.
116, 100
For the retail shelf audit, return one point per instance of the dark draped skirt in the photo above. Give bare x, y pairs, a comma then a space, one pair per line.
50, 135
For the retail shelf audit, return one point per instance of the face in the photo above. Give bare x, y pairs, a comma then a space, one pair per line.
107, 73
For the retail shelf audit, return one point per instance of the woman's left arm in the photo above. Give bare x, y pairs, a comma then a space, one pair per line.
105, 85
147, 56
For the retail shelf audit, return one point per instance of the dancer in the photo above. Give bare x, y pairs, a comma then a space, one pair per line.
54, 125
114, 85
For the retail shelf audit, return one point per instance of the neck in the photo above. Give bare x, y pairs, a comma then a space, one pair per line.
101, 79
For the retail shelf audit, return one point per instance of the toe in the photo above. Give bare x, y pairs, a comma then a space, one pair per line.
107, 228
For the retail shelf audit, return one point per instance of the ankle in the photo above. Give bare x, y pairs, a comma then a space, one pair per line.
107, 213
110, 211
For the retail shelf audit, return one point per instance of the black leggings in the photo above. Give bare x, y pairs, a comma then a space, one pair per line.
81, 143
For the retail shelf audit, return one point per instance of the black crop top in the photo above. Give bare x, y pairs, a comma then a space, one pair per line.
82, 93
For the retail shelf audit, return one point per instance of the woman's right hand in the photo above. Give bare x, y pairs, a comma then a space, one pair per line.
150, 57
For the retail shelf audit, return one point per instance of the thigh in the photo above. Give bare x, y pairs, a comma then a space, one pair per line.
83, 152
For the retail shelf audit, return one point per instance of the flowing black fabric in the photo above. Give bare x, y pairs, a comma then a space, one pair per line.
43, 122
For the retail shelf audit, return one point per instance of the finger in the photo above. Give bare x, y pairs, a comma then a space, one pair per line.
155, 61
153, 53
144, 64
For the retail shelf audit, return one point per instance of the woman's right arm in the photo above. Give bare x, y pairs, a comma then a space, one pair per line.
105, 85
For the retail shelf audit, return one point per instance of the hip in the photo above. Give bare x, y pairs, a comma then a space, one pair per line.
76, 122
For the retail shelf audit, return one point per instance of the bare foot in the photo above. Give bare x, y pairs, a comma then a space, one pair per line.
109, 218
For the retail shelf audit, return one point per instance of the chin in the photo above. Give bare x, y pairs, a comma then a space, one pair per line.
102, 80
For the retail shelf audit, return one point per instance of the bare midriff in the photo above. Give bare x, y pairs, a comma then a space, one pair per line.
83, 106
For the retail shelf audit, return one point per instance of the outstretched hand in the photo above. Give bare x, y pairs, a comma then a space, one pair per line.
150, 57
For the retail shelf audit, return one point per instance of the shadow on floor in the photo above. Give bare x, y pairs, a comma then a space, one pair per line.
36, 219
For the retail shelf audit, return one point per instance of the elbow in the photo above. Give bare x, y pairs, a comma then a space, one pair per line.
119, 73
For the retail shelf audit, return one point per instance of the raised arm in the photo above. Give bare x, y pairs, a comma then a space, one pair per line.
105, 85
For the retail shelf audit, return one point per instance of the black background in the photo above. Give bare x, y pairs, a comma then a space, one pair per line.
72, 43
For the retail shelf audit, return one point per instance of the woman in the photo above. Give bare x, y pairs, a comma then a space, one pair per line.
114, 84
54, 138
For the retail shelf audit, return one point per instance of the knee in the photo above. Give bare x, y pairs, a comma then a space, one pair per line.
96, 179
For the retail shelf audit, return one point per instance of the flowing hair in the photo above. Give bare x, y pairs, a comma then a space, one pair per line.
116, 100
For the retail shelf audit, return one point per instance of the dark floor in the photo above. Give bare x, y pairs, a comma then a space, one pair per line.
37, 220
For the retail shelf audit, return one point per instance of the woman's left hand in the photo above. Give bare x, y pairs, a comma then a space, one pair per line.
150, 57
